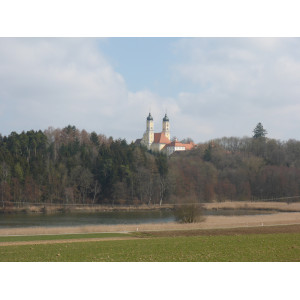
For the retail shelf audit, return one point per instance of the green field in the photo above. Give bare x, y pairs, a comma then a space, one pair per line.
22, 238
246, 247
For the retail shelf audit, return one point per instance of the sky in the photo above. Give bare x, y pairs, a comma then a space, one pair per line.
209, 87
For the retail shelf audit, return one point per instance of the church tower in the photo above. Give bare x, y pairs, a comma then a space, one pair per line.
166, 126
149, 135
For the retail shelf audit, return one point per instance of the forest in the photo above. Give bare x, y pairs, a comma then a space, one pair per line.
72, 166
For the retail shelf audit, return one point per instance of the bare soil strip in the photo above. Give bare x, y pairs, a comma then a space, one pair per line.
80, 240
226, 231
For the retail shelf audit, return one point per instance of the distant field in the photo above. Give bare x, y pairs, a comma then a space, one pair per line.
57, 237
217, 246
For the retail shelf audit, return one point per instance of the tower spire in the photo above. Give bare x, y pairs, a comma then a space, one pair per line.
166, 126
149, 134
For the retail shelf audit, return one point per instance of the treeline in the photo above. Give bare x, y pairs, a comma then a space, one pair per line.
69, 166
238, 169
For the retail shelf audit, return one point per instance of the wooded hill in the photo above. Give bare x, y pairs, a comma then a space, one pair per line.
68, 166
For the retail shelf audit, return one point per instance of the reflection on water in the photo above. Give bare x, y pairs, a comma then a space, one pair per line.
80, 219
106, 218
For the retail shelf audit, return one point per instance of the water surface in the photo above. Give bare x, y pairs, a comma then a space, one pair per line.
81, 219
106, 218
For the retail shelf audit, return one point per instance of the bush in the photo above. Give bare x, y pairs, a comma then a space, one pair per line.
189, 213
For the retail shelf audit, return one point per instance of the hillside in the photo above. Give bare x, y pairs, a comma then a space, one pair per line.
68, 166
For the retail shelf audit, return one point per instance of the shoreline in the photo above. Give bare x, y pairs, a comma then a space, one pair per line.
54, 208
211, 222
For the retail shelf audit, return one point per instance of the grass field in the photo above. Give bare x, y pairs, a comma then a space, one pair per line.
150, 247
57, 237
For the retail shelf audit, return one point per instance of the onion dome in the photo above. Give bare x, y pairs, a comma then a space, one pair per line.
166, 119
149, 118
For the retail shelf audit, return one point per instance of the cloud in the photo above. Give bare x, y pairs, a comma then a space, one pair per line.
241, 81
55, 82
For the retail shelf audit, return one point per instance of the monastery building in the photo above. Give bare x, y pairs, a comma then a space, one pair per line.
161, 141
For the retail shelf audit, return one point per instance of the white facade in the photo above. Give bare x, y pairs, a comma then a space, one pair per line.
172, 149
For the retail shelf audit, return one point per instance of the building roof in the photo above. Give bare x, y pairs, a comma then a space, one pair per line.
149, 118
188, 146
160, 138
166, 119
176, 144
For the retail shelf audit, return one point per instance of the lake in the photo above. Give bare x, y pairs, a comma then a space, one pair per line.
107, 218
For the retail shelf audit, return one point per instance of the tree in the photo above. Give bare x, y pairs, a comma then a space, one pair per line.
207, 153
187, 140
162, 165
94, 138
83, 179
259, 131
189, 213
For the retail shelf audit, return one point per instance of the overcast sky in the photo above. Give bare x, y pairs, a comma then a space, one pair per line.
210, 87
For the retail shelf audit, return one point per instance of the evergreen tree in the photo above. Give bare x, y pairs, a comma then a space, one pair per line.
259, 131
94, 138
207, 153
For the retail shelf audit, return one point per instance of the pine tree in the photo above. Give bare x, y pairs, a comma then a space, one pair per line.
259, 131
